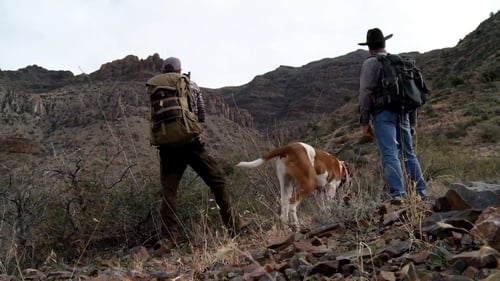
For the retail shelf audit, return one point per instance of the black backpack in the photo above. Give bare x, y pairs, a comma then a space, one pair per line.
402, 87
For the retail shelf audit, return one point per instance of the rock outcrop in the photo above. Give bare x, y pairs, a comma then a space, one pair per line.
130, 68
34, 79
18, 144
216, 105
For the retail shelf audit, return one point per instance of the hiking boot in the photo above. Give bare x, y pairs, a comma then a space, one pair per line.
423, 196
241, 227
163, 247
397, 200
427, 201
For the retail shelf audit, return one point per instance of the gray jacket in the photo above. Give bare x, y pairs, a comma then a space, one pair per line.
197, 102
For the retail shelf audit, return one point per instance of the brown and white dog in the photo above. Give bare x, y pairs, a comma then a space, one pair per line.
309, 168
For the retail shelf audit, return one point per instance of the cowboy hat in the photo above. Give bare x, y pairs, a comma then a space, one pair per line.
375, 35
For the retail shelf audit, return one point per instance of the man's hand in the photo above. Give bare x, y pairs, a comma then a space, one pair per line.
368, 131
368, 135
413, 132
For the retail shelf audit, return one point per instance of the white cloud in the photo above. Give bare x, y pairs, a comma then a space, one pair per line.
222, 42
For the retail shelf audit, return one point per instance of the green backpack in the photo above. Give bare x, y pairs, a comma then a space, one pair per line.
172, 120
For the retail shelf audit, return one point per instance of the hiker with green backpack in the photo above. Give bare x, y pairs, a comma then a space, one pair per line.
177, 109
390, 91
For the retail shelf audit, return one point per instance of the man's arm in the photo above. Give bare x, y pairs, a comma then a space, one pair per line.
200, 104
197, 104
368, 83
412, 117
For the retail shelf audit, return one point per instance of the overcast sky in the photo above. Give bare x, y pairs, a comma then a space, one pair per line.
223, 42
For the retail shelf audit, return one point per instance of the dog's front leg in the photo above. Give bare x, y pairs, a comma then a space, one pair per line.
286, 190
321, 198
293, 215
286, 215
284, 211
331, 190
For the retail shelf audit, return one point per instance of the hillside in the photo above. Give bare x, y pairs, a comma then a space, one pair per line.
79, 181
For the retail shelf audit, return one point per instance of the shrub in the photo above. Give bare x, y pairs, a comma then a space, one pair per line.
489, 76
456, 81
489, 133
454, 133
430, 112
71, 207
440, 160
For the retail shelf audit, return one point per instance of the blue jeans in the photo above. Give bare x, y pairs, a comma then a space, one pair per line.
392, 131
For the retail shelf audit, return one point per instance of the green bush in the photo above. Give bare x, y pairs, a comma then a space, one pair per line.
489, 76
489, 133
70, 211
430, 112
440, 160
454, 133
456, 81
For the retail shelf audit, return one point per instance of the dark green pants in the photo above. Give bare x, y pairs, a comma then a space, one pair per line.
174, 161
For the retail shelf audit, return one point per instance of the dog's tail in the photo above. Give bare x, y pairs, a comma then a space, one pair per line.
280, 151
252, 164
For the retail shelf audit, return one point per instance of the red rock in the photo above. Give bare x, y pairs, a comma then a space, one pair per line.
487, 228
386, 276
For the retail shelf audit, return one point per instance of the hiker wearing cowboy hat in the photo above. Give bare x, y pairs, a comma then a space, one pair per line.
391, 129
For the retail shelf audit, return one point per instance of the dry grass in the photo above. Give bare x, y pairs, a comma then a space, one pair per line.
256, 196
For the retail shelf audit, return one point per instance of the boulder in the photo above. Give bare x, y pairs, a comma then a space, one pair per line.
475, 195
486, 230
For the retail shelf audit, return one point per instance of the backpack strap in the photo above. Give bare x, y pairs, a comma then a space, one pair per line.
388, 78
169, 81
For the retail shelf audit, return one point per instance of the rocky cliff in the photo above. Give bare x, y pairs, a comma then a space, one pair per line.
290, 94
15, 144
34, 79
83, 101
129, 68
